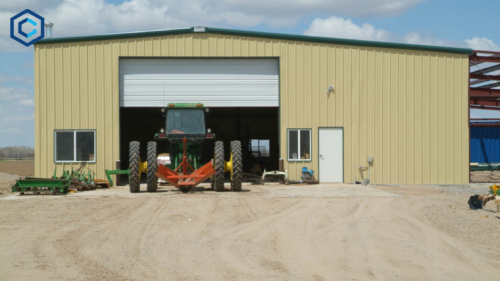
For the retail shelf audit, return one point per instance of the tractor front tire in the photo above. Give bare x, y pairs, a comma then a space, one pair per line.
219, 166
152, 167
134, 160
237, 179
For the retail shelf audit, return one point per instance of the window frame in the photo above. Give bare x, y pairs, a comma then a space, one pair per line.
298, 143
258, 145
74, 145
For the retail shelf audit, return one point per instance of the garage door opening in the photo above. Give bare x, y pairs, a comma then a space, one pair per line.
241, 93
256, 127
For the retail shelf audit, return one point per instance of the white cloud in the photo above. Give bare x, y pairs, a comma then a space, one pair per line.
483, 44
34, 5
292, 8
14, 94
16, 123
344, 28
28, 65
10, 78
79, 17
28, 102
415, 38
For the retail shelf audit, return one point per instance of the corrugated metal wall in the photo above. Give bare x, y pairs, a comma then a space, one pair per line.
485, 144
406, 108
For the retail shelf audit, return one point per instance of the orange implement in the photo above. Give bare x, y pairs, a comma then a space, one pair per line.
186, 179
190, 180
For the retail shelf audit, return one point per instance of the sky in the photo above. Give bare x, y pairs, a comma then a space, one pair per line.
456, 23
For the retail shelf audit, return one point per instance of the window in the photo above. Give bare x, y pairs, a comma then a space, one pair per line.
260, 148
185, 121
299, 145
74, 146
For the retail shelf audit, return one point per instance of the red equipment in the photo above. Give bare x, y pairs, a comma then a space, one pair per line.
186, 179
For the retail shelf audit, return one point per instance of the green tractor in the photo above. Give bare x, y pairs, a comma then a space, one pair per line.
185, 130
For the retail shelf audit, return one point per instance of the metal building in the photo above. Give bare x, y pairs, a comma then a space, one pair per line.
323, 103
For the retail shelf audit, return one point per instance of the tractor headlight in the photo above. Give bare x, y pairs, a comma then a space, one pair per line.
162, 130
163, 110
208, 130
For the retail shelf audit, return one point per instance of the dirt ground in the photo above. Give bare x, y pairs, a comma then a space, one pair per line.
12, 170
485, 176
271, 232
22, 168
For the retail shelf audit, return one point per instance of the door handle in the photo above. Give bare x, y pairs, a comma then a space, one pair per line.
321, 156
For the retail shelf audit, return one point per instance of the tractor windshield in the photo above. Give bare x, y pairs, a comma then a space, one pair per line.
185, 121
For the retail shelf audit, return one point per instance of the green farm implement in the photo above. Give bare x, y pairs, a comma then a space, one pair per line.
74, 180
185, 130
114, 172
38, 185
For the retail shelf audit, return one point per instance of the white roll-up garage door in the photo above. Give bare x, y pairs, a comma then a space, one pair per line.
213, 82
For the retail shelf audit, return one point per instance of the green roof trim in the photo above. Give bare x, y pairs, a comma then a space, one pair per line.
281, 36
115, 36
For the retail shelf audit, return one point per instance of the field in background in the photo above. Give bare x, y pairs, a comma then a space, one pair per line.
18, 167
10, 170
17, 152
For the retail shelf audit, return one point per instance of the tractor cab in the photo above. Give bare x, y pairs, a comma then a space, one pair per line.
185, 120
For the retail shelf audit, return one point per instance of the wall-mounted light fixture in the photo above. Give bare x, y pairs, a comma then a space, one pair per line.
330, 89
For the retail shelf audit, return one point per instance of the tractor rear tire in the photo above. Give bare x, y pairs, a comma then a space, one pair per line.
219, 166
152, 167
237, 166
134, 159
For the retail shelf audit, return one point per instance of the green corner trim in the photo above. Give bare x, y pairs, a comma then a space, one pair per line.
280, 36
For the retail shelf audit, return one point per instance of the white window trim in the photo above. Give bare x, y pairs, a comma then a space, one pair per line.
298, 145
74, 146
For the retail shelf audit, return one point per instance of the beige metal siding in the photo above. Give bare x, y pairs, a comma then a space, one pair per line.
408, 109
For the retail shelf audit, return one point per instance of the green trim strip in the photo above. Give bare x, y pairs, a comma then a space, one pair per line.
339, 41
115, 36
281, 36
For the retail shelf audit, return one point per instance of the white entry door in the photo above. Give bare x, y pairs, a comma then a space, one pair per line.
331, 155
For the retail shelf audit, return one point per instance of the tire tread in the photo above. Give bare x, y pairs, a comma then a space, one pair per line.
237, 166
134, 159
219, 166
152, 167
